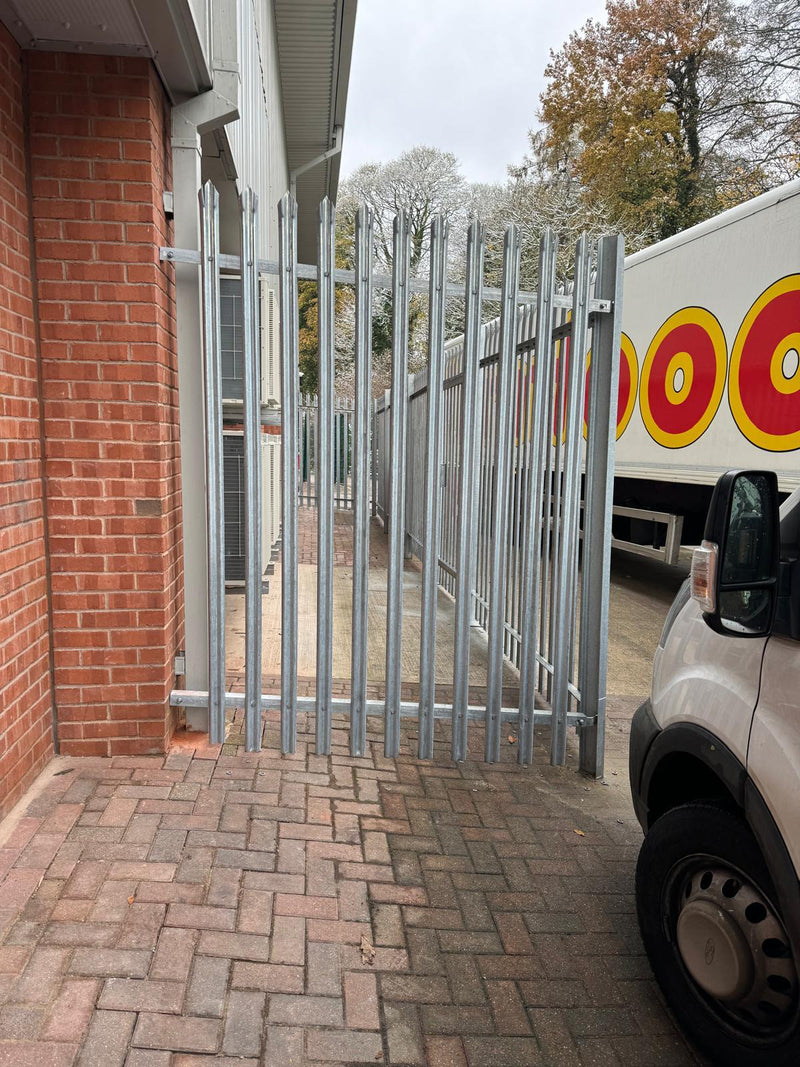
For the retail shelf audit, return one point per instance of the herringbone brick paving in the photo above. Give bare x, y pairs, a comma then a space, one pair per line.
212, 905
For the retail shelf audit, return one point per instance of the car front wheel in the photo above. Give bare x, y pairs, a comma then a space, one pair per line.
715, 937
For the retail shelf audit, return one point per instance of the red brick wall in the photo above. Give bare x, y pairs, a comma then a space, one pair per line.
25, 705
100, 162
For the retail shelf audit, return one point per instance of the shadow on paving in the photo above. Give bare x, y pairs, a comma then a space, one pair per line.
223, 904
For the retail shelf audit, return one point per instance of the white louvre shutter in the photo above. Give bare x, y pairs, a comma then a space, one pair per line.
269, 345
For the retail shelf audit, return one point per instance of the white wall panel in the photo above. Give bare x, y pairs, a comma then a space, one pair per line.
257, 138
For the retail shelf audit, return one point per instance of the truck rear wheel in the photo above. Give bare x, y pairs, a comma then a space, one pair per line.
716, 940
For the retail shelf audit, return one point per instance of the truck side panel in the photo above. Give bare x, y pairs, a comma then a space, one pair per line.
713, 316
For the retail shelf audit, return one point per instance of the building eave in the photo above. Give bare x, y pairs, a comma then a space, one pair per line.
315, 47
165, 31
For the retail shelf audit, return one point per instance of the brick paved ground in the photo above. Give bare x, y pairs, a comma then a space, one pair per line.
342, 539
212, 904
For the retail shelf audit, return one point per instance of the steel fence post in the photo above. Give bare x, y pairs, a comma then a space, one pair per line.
599, 500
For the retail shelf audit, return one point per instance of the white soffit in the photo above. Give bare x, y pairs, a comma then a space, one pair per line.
315, 41
98, 25
307, 50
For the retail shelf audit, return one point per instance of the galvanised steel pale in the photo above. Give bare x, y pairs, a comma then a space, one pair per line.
361, 481
324, 473
465, 511
568, 541
397, 484
502, 447
290, 359
212, 366
533, 535
254, 567
431, 483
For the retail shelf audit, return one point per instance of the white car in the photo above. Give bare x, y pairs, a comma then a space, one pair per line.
715, 779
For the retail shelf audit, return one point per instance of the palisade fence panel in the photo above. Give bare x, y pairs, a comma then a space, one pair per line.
545, 487
492, 466
343, 415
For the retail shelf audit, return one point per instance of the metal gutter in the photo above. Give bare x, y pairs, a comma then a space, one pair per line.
315, 162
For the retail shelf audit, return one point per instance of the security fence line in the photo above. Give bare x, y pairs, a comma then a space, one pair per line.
343, 429
476, 466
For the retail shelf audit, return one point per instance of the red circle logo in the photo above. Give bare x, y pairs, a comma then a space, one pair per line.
764, 389
683, 377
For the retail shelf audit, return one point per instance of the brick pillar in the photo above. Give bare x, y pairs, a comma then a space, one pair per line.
26, 741
100, 162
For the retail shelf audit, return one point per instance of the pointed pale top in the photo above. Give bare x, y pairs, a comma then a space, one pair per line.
248, 199
208, 193
287, 204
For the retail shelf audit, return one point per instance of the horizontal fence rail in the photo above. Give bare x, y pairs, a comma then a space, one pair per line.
493, 466
306, 272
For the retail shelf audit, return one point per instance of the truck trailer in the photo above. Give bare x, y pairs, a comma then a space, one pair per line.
709, 369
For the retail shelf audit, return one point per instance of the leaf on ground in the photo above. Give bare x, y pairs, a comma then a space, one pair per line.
511, 739
367, 951
580, 833
131, 899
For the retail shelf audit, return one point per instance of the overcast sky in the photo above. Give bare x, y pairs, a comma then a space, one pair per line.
462, 75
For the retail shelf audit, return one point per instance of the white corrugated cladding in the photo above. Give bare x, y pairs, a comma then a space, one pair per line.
257, 139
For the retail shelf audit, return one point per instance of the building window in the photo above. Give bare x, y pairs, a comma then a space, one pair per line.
231, 322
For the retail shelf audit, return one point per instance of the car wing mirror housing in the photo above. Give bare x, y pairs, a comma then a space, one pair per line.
735, 570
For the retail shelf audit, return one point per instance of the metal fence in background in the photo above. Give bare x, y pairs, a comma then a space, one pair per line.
343, 416
479, 466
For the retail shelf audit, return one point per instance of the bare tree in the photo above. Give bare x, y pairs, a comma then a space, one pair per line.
769, 83
424, 182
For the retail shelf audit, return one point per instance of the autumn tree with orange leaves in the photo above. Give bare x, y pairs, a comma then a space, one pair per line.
645, 112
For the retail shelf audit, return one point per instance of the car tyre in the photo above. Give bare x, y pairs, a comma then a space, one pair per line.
715, 938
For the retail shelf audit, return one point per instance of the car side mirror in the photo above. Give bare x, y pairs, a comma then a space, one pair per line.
735, 570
